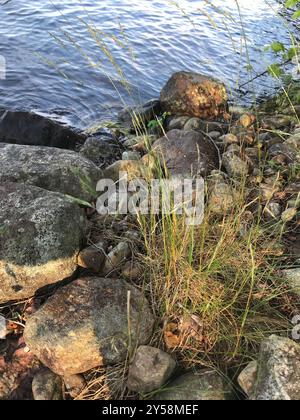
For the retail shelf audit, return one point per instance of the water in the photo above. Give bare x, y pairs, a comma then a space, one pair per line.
59, 53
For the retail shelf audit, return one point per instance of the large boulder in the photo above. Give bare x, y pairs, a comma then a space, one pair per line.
204, 385
89, 323
194, 95
278, 375
186, 153
41, 234
53, 169
20, 127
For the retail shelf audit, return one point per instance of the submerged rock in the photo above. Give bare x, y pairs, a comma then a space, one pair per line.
41, 234
47, 386
150, 369
53, 169
278, 375
89, 323
194, 95
20, 127
201, 386
186, 153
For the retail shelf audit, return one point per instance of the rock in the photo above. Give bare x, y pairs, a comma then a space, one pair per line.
221, 197
195, 95
92, 257
19, 127
194, 124
177, 123
215, 135
131, 156
47, 386
272, 211
288, 153
89, 323
150, 369
3, 328
293, 142
247, 120
132, 271
137, 117
116, 257
276, 122
49, 168
186, 153
134, 169
41, 235
74, 384
229, 139
247, 378
204, 385
278, 370
100, 150
288, 215
292, 275
134, 141
234, 165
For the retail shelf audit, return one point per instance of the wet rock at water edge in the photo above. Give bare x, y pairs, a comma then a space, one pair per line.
47, 386
201, 386
19, 127
53, 169
101, 150
278, 376
150, 369
137, 117
194, 95
186, 153
41, 235
89, 323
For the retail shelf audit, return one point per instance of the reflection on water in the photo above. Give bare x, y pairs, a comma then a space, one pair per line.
71, 58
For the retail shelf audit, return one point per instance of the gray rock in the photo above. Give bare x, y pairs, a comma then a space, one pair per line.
293, 277
47, 386
138, 116
41, 235
194, 124
89, 323
221, 196
150, 369
195, 95
116, 257
52, 169
248, 377
177, 123
289, 153
19, 127
293, 142
131, 156
278, 370
272, 211
100, 150
186, 153
234, 165
201, 386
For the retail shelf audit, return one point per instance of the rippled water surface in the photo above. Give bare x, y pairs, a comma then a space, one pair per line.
70, 58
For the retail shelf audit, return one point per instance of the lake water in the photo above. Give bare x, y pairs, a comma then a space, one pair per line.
81, 60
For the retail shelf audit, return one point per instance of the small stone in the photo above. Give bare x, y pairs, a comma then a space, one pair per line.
229, 139
221, 197
131, 156
177, 123
92, 257
134, 169
47, 386
193, 124
288, 215
215, 135
132, 271
74, 384
292, 275
247, 378
293, 142
247, 120
204, 385
272, 211
3, 329
234, 165
150, 369
116, 257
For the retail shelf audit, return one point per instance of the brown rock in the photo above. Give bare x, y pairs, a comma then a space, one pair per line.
89, 323
92, 257
195, 95
186, 153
